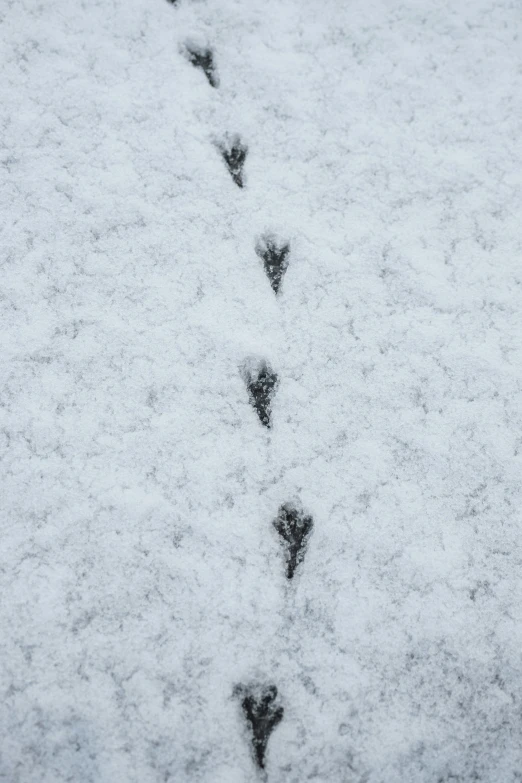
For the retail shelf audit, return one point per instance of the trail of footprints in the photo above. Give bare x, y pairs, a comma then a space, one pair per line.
260, 702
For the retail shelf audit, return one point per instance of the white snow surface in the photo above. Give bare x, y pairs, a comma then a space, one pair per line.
141, 578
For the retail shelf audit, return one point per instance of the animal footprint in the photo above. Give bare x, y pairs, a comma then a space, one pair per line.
201, 57
274, 255
234, 153
263, 713
294, 527
261, 383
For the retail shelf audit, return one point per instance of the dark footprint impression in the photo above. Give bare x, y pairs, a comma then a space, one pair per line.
274, 255
261, 383
294, 527
202, 58
234, 153
263, 713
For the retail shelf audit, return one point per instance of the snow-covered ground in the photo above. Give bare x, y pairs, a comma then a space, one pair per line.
142, 582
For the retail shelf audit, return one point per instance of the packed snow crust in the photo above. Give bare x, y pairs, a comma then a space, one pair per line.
142, 580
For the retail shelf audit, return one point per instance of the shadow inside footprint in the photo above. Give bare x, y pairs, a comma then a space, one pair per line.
274, 255
234, 154
294, 527
261, 383
262, 713
204, 59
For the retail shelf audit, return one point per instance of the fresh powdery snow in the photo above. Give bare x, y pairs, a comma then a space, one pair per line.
260, 396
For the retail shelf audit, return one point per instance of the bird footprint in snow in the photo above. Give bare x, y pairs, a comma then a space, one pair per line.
274, 255
203, 58
294, 527
262, 712
234, 154
261, 383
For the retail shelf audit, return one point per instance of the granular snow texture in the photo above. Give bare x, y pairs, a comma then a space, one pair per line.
143, 584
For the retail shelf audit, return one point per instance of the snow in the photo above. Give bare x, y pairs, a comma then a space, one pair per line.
142, 580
